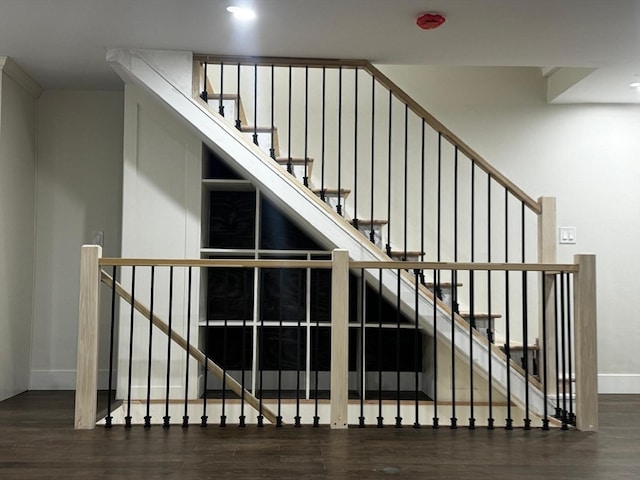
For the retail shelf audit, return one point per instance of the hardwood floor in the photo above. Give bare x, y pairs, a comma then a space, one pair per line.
37, 441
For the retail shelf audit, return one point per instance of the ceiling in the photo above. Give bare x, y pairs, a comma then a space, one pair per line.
62, 43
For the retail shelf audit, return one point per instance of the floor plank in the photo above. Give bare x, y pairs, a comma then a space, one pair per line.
37, 441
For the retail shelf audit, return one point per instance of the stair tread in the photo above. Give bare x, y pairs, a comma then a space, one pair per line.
259, 129
331, 191
480, 315
372, 222
295, 161
442, 284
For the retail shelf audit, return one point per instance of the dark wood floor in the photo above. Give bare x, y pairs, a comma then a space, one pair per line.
37, 441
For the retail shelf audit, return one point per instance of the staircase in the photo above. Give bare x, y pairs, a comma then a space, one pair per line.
329, 202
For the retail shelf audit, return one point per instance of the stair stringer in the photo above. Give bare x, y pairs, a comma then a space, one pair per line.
325, 225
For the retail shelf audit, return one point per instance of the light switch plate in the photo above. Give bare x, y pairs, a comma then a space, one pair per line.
567, 235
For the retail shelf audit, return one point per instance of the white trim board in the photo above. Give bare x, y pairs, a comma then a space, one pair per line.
619, 383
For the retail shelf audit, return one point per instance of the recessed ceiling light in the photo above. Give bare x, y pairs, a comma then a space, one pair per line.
635, 85
242, 13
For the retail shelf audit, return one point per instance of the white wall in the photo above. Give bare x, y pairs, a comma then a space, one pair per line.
17, 217
79, 192
588, 156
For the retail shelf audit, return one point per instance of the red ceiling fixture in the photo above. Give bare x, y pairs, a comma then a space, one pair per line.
429, 21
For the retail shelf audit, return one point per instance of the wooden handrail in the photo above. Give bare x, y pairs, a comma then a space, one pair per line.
399, 93
549, 268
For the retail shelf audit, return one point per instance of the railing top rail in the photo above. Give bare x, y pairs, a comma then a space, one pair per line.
327, 264
400, 94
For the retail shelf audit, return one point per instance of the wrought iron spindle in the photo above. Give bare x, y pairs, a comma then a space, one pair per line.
398, 319
373, 169
185, 417
127, 418
339, 205
205, 397
490, 420
323, 142
572, 417
525, 325
205, 95
238, 121
167, 418
147, 417
472, 289
406, 174
272, 150
305, 178
242, 418
289, 104
416, 350
221, 101
556, 327
363, 359
281, 289
543, 355
255, 103
389, 159
507, 347
223, 415
436, 287
355, 152
380, 418
563, 354
454, 420
108, 418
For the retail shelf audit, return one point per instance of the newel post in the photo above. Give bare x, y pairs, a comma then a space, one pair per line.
586, 354
87, 359
547, 254
339, 338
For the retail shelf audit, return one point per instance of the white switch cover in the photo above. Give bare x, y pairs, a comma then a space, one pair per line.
567, 235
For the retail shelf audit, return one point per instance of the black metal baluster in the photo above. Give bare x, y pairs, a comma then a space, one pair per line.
305, 178
416, 351
454, 278
280, 302
472, 291
563, 355
372, 238
108, 418
297, 417
363, 359
439, 204
242, 418
166, 419
572, 417
205, 95
543, 353
388, 245
380, 418
223, 415
525, 326
507, 348
127, 418
454, 420
272, 149
255, 103
316, 348
490, 420
398, 319
324, 118
238, 121
205, 397
185, 417
436, 420
261, 362
220, 103
147, 417
339, 205
289, 163
354, 222
406, 174
422, 195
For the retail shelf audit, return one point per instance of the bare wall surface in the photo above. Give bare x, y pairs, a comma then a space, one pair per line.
588, 156
17, 215
79, 192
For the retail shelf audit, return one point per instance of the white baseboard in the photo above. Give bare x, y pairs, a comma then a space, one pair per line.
619, 383
62, 379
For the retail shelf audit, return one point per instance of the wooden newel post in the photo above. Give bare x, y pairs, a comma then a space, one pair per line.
547, 254
87, 359
339, 338
585, 326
